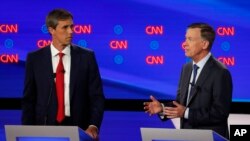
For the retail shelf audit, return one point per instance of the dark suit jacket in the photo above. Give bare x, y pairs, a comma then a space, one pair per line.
209, 106
39, 103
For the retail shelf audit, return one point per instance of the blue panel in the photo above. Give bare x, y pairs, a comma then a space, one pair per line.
218, 137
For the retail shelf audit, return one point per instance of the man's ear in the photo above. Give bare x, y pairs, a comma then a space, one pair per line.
205, 44
51, 30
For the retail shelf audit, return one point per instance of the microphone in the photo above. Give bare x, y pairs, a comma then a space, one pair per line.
196, 87
192, 84
53, 76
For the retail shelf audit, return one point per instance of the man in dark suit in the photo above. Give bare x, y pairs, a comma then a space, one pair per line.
75, 87
204, 93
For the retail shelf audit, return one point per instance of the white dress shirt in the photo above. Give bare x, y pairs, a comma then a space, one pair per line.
66, 63
200, 64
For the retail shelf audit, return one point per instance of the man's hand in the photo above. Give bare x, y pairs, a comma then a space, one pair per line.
153, 107
92, 131
174, 112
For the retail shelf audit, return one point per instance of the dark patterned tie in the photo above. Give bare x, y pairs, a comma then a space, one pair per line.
195, 68
60, 89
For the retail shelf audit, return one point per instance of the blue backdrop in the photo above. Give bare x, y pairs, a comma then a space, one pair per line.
138, 43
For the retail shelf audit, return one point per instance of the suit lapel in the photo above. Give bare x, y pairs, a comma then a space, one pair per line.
205, 72
75, 58
47, 65
202, 77
187, 81
187, 75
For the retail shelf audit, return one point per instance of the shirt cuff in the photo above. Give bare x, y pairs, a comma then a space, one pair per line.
161, 114
186, 113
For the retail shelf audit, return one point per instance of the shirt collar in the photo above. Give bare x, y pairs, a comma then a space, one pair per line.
203, 61
54, 51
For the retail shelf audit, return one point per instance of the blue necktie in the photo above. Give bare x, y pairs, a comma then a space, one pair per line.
195, 68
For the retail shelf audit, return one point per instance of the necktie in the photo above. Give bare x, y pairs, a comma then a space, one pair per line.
60, 89
195, 68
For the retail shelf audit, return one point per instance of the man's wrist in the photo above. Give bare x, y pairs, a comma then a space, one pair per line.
161, 114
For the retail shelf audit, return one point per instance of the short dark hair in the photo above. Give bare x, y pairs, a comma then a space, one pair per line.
55, 15
207, 32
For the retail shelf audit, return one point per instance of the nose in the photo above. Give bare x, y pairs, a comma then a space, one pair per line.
71, 30
184, 44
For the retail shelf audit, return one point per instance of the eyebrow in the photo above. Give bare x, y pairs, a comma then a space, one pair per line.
65, 26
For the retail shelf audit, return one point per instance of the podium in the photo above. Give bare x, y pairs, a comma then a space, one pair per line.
164, 134
45, 133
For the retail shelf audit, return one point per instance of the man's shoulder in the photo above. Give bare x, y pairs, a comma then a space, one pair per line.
188, 65
39, 51
80, 49
218, 64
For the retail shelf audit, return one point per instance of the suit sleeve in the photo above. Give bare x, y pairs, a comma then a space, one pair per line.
96, 95
29, 94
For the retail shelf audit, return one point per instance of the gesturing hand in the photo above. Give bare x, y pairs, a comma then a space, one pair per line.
174, 112
153, 107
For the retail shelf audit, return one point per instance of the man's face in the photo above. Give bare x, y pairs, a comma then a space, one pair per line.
63, 33
194, 45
